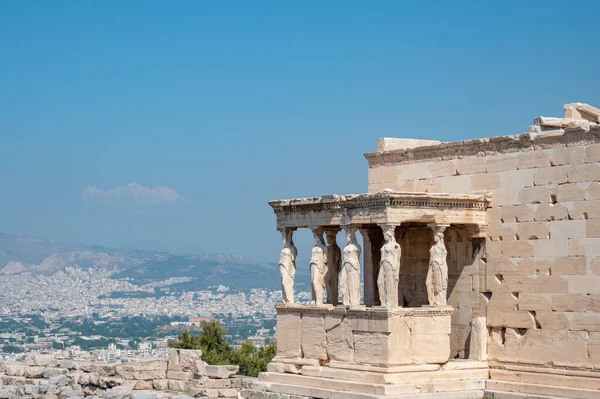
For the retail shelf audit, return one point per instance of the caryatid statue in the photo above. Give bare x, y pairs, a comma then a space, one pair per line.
287, 265
389, 268
350, 275
318, 266
437, 275
334, 258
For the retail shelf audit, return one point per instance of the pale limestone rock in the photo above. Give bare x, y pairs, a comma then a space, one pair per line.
59, 380
173, 360
389, 268
535, 195
287, 265
550, 212
350, 274
485, 181
370, 347
34, 372
318, 266
288, 335
582, 110
567, 122
592, 153
478, 345
434, 348
584, 210
161, 384
437, 274
51, 372
593, 227
391, 144
275, 367
568, 229
41, 360
144, 385
551, 175
14, 370
519, 213
471, 165
533, 231
142, 374
291, 368
179, 375
340, 342
568, 192
334, 256
177, 385
221, 372
191, 360
588, 172
443, 168
533, 159
313, 336
567, 156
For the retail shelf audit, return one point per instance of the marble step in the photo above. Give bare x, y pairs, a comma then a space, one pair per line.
539, 377
322, 393
361, 387
529, 390
395, 378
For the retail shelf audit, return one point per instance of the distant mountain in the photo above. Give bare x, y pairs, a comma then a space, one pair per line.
28, 255
206, 271
27, 250
25, 254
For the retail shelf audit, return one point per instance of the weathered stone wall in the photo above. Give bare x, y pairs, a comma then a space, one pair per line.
184, 372
539, 276
415, 243
365, 336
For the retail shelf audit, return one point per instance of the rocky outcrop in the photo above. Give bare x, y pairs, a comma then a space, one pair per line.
182, 375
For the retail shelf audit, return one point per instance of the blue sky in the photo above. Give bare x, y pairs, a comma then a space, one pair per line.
169, 125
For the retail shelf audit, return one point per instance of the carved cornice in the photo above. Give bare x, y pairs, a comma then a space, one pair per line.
385, 198
363, 311
485, 147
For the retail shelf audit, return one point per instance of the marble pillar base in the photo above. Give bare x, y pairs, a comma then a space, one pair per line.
364, 336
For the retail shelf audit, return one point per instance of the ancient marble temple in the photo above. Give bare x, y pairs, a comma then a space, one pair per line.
469, 269
390, 323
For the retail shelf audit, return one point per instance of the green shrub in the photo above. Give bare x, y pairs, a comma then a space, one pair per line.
216, 350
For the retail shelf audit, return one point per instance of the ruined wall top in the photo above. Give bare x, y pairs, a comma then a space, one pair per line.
579, 126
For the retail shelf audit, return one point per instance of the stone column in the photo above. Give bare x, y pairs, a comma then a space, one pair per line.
287, 265
437, 275
350, 275
478, 345
318, 266
334, 264
389, 268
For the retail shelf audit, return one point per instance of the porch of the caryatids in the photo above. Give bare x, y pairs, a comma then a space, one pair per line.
334, 259
287, 265
389, 268
318, 266
350, 273
437, 274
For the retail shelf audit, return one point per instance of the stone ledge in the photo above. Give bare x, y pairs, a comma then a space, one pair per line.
375, 311
485, 147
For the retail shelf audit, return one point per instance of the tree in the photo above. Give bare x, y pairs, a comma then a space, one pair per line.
11, 349
216, 350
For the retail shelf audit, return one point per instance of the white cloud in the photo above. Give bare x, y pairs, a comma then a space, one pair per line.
133, 193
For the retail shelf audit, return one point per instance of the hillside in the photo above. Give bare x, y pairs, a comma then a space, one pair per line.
23, 255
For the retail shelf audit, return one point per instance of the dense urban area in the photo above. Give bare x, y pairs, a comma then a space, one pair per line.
90, 305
